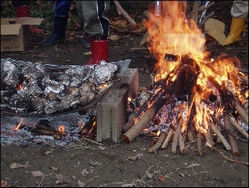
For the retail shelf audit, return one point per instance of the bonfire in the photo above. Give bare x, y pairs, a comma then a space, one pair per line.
194, 97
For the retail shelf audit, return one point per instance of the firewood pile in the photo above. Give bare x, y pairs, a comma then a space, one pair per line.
179, 110
194, 98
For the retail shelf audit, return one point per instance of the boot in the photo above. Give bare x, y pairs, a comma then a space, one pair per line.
237, 26
86, 41
23, 11
99, 51
58, 34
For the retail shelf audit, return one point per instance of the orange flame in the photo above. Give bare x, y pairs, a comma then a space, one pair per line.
92, 128
19, 87
18, 125
61, 129
103, 86
172, 33
129, 99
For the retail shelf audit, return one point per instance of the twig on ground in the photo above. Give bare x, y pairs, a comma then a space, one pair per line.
231, 160
92, 141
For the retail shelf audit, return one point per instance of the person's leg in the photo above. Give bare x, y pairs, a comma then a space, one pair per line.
239, 12
22, 10
60, 23
96, 24
80, 17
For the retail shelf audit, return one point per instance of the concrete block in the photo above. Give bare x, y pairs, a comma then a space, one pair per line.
112, 114
131, 80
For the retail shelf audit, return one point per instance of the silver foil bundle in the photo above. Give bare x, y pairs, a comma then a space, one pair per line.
33, 88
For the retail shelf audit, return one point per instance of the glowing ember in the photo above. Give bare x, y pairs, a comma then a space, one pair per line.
61, 129
103, 86
19, 87
18, 125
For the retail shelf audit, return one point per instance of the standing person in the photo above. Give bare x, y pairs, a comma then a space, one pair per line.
96, 26
239, 12
22, 10
61, 11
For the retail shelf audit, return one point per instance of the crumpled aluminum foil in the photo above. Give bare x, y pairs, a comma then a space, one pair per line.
49, 88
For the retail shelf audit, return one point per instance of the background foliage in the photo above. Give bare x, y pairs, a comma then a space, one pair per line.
45, 9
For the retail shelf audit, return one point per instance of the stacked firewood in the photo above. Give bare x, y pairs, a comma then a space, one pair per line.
168, 108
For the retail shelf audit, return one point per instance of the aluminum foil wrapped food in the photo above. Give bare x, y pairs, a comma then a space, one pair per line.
34, 88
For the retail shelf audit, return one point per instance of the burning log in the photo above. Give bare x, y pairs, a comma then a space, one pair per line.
220, 136
211, 88
145, 100
158, 144
133, 132
238, 127
199, 143
176, 139
242, 112
229, 131
43, 127
209, 136
48, 132
211, 101
233, 142
167, 139
182, 147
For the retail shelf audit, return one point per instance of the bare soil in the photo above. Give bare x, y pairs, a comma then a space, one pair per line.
86, 164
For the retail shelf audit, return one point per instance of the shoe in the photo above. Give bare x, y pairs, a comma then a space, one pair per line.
23, 11
99, 51
58, 34
236, 28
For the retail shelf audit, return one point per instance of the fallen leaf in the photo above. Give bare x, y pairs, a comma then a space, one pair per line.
94, 163
71, 50
59, 178
84, 172
56, 48
80, 184
18, 165
115, 37
37, 174
133, 158
149, 175
53, 168
87, 53
42, 55
47, 152
161, 178
101, 147
122, 23
4, 183
68, 60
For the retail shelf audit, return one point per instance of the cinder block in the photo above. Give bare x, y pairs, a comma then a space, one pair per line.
112, 114
131, 79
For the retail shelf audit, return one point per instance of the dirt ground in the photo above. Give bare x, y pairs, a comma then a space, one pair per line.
86, 164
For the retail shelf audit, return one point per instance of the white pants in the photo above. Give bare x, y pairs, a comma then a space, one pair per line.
239, 9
